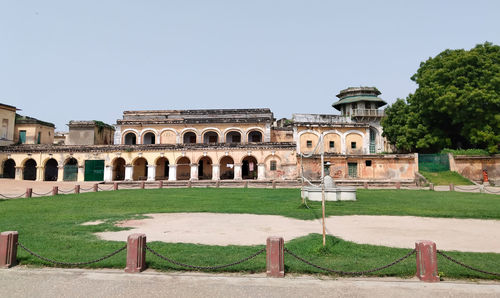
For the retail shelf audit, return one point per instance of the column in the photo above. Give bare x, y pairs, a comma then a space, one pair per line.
19, 173
343, 148
151, 172
237, 171
129, 170
215, 172
261, 171
172, 172
81, 173
108, 173
194, 171
39, 173
60, 173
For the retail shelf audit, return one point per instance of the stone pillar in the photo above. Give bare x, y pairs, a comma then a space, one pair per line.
426, 261
108, 173
77, 188
261, 171
452, 187
172, 172
151, 172
129, 170
39, 173
29, 192
55, 190
60, 173
8, 249
215, 172
136, 253
81, 174
115, 186
275, 257
237, 171
19, 173
194, 171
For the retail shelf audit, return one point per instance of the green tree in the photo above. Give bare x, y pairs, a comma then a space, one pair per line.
456, 104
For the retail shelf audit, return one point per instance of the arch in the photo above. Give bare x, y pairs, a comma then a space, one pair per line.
70, 171
130, 138
9, 169
149, 138
211, 137
226, 168
233, 136
249, 167
50, 170
205, 168
332, 141
29, 171
169, 136
356, 137
140, 169
189, 137
255, 135
273, 171
118, 169
305, 137
183, 168
162, 168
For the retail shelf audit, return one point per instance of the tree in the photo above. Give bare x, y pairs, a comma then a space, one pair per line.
456, 104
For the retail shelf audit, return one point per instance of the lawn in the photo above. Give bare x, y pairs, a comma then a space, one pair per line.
446, 178
51, 226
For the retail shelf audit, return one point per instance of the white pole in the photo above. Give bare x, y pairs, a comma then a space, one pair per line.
323, 188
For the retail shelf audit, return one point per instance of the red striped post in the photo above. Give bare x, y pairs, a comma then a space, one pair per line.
275, 257
426, 261
77, 188
8, 249
136, 253
29, 192
55, 190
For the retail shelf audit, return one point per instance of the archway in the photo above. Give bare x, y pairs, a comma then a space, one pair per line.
183, 168
149, 138
130, 139
226, 168
189, 138
70, 172
162, 168
140, 169
9, 169
205, 168
50, 172
233, 137
210, 137
249, 168
255, 137
119, 169
29, 171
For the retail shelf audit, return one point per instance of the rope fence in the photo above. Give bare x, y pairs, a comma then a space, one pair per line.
42, 194
13, 197
464, 265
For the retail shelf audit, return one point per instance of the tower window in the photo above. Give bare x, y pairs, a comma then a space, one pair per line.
332, 144
353, 145
272, 165
309, 143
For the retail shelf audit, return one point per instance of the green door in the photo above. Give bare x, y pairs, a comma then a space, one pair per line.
353, 169
22, 136
94, 170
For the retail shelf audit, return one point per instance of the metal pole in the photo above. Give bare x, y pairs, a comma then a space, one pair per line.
323, 188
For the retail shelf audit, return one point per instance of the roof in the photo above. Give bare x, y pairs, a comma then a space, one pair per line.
89, 124
8, 107
350, 99
30, 120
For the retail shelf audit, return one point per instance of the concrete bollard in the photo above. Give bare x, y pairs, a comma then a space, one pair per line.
160, 185
426, 261
274, 184
452, 187
365, 185
398, 185
8, 249
29, 192
136, 253
143, 185
431, 186
55, 190
275, 257
96, 187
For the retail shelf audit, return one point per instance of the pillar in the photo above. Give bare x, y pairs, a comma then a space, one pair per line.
261, 171
275, 257
216, 172
151, 172
19, 173
129, 170
136, 253
194, 171
39, 173
108, 173
60, 173
237, 171
81, 174
8, 249
172, 172
426, 261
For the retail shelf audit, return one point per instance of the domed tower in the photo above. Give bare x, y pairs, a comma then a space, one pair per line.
360, 103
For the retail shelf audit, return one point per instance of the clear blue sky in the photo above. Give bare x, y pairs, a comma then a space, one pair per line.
86, 60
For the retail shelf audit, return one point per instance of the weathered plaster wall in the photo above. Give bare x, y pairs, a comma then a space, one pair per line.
32, 130
7, 132
472, 167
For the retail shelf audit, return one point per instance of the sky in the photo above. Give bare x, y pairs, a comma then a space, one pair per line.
92, 60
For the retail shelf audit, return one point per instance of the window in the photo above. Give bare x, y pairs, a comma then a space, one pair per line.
39, 138
212, 139
22, 136
5, 128
353, 145
309, 143
332, 144
272, 165
368, 163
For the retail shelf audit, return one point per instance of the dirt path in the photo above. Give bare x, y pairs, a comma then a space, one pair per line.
471, 235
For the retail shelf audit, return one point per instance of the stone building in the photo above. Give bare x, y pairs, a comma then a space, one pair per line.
89, 133
30, 130
8, 118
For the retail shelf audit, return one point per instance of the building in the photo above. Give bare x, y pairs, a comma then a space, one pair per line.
8, 118
29, 130
89, 133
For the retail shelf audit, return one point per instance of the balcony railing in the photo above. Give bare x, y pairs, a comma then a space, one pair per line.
368, 113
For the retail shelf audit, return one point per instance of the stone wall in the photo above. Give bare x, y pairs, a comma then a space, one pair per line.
472, 167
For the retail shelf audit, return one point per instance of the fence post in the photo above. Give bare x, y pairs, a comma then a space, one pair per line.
143, 185
452, 187
275, 257
398, 185
136, 253
160, 185
77, 188
274, 184
426, 261
29, 192
481, 188
365, 185
96, 187
115, 186
189, 184
431, 186
55, 190
217, 184
246, 184
8, 249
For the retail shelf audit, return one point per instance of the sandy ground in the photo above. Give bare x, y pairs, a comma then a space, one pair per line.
470, 235
10, 187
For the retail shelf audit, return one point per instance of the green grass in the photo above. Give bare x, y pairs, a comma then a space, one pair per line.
465, 151
51, 226
446, 178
